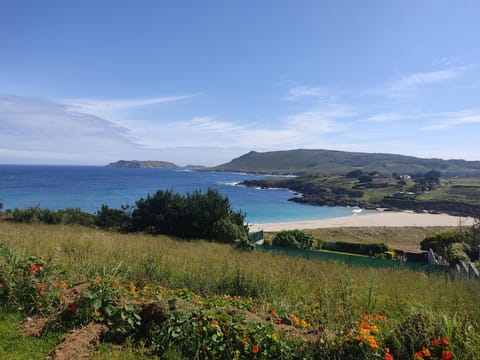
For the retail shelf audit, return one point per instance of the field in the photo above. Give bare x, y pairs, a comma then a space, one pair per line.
329, 297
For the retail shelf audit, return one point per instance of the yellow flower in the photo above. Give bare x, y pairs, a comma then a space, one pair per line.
275, 337
304, 324
364, 332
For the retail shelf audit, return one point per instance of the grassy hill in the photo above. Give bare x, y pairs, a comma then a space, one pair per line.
256, 304
303, 161
142, 164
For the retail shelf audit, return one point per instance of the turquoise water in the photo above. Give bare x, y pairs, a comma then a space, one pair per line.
88, 187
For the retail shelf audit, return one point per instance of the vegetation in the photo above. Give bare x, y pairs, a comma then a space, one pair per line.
295, 239
420, 192
302, 161
462, 244
193, 216
230, 304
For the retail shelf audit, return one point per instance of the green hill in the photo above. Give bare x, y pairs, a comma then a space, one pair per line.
303, 161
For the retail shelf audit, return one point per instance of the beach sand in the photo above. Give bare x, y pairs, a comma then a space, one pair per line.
388, 219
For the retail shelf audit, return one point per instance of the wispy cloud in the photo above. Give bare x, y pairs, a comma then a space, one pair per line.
426, 78
386, 117
305, 92
449, 120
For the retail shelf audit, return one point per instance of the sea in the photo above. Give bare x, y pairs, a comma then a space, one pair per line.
88, 187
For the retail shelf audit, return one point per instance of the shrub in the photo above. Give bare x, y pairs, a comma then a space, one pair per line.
356, 248
294, 238
226, 231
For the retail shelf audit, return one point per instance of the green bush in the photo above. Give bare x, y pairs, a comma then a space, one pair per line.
295, 239
356, 248
226, 231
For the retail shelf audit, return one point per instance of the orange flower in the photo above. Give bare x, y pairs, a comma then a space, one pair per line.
253, 310
447, 355
388, 356
34, 268
255, 349
63, 284
116, 283
426, 352
42, 287
97, 310
365, 325
418, 355
98, 280
273, 313
445, 341
436, 342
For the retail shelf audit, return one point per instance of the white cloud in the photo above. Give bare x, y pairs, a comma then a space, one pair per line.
303, 92
426, 78
449, 120
386, 117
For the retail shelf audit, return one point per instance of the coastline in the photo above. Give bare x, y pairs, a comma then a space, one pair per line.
387, 219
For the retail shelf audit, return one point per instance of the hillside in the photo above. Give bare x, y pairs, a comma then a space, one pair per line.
142, 164
303, 161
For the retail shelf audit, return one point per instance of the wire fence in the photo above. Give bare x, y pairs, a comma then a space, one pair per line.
352, 259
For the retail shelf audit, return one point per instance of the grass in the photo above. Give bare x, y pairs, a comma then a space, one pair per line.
460, 190
326, 293
401, 238
14, 346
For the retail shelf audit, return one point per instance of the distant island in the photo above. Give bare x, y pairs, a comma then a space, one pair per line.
151, 164
147, 164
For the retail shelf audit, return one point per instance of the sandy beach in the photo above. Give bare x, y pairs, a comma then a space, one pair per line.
389, 219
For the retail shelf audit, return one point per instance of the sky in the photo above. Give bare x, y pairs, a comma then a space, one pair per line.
201, 82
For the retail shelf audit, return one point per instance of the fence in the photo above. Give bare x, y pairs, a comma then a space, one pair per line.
351, 259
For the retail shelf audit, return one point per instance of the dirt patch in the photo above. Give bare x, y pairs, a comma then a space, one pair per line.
78, 343
33, 326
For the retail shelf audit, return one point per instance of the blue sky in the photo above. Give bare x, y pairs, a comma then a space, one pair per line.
202, 82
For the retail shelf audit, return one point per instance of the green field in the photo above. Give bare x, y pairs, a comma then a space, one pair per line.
328, 296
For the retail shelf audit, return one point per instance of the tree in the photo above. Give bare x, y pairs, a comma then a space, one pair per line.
365, 178
354, 174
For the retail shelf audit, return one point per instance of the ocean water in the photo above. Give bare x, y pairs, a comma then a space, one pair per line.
88, 187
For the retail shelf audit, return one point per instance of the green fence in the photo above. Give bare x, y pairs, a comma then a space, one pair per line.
352, 259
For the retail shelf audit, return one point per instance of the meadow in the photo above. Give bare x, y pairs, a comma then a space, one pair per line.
331, 298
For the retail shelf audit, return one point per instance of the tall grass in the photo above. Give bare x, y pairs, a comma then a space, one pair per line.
326, 292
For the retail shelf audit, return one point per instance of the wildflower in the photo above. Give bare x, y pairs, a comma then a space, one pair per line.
34, 268
304, 324
72, 308
447, 355
97, 310
273, 313
1, 285
63, 284
275, 337
445, 341
98, 280
116, 283
133, 290
388, 356
426, 352
255, 349
253, 310
245, 341
278, 321
418, 355
365, 325
364, 332
374, 328
436, 342
372, 342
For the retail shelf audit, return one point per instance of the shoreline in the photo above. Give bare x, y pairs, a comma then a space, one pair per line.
380, 219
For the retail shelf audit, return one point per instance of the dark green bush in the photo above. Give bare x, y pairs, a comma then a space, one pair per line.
356, 248
294, 238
